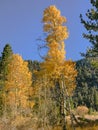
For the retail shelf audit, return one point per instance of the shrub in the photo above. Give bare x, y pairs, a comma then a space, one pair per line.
82, 110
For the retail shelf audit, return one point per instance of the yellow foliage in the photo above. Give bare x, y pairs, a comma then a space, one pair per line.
19, 80
70, 74
55, 65
53, 15
53, 24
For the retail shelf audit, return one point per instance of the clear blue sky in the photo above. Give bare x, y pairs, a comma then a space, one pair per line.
20, 25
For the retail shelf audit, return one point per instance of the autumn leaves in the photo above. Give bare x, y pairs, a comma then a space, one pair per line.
55, 64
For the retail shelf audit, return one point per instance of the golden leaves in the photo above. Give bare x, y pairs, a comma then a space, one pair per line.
19, 80
55, 66
53, 15
53, 24
56, 34
70, 74
48, 28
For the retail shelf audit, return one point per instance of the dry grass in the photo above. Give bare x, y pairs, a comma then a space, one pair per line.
24, 124
78, 128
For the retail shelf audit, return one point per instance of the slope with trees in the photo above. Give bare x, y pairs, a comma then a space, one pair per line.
55, 88
87, 85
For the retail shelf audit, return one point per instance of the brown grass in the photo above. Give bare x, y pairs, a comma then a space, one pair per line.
89, 123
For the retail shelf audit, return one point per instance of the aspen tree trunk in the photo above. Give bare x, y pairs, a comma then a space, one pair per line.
15, 110
63, 103
5, 106
40, 109
39, 101
45, 110
45, 103
69, 107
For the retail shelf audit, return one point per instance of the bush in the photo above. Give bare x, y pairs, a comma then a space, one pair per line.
82, 110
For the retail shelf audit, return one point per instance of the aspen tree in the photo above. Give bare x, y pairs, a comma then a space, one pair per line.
18, 84
55, 66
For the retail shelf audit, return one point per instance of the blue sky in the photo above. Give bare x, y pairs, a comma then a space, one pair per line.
21, 25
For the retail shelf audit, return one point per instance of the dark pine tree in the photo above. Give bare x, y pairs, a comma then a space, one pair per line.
91, 25
4, 61
87, 85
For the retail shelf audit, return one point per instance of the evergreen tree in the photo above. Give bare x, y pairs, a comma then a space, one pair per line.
96, 100
87, 84
4, 61
90, 73
33, 65
91, 25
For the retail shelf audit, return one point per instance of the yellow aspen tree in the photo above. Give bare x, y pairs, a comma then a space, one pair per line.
18, 84
55, 66
57, 33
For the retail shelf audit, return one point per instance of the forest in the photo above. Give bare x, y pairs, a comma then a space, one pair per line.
55, 93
